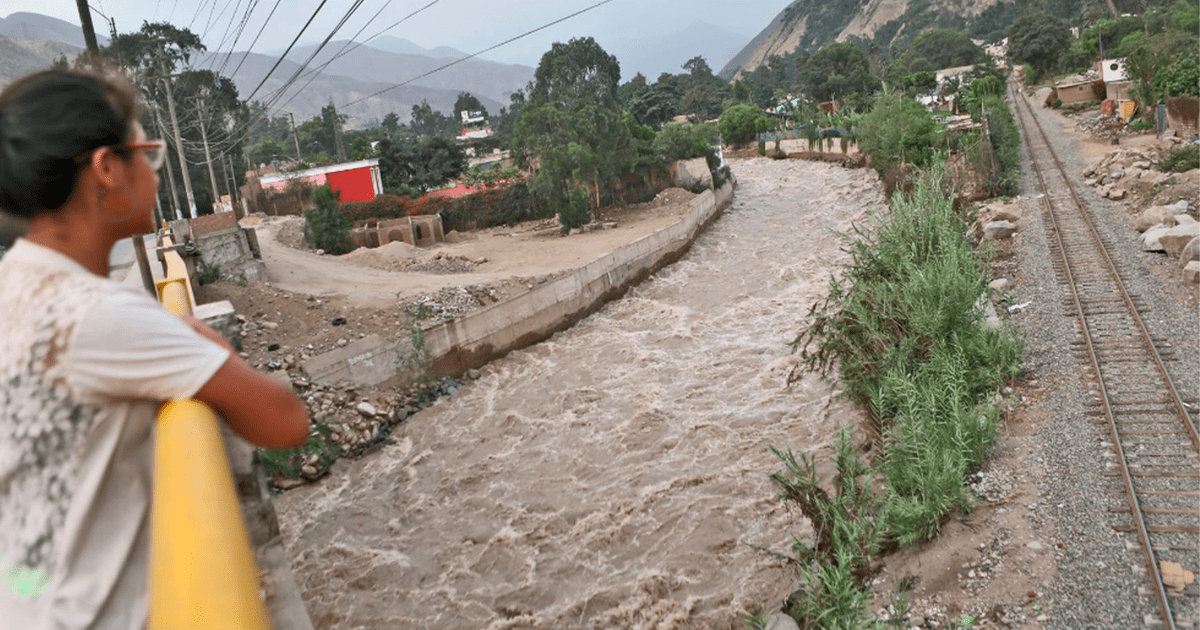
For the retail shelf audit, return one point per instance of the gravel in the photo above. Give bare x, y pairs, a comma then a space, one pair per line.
1096, 584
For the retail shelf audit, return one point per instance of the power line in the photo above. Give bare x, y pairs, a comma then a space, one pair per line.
289, 49
472, 56
253, 43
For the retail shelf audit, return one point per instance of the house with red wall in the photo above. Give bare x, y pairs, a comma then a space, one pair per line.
355, 181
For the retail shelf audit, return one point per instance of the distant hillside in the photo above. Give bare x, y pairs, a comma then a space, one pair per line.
43, 27
366, 71
807, 25
19, 57
387, 43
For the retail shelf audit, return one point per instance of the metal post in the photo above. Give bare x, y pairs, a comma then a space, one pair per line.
170, 173
143, 263
208, 158
89, 31
187, 181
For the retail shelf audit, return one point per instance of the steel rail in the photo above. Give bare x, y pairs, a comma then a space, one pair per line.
1152, 568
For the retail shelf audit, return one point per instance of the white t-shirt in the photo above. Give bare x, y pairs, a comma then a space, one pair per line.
85, 363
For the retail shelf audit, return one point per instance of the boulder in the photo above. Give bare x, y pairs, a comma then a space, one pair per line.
1152, 216
1150, 240
1191, 273
693, 174
366, 409
1000, 284
997, 230
1012, 215
780, 621
1190, 252
1184, 219
1154, 178
1116, 194
1176, 238
1179, 207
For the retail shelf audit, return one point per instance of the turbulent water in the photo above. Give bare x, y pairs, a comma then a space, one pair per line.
616, 475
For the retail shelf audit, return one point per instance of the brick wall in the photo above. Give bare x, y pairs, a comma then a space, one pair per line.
213, 223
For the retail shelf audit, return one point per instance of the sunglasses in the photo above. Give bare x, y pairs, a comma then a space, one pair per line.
154, 150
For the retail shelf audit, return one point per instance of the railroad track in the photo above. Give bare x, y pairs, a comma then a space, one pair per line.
1149, 429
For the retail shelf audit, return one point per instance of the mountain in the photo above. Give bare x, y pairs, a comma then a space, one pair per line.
387, 43
807, 25
364, 71
652, 56
19, 57
43, 27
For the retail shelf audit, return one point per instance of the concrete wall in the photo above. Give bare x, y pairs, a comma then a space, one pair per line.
1183, 115
474, 339
820, 145
479, 337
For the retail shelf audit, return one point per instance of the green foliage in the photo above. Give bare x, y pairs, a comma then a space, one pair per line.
1180, 159
835, 567
209, 274
573, 126
923, 82
1180, 77
681, 142
327, 228
467, 102
939, 48
1006, 146
742, 123
287, 462
837, 71
897, 131
1141, 124
1038, 39
423, 163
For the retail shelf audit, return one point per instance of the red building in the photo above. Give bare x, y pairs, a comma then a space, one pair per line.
355, 181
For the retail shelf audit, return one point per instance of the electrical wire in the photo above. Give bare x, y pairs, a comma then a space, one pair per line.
285, 53
473, 55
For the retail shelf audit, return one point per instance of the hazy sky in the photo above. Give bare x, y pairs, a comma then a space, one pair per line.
468, 25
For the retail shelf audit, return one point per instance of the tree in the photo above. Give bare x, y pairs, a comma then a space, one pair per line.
572, 128
467, 102
657, 105
437, 161
742, 123
836, 71
326, 227
428, 122
390, 125
1039, 40
939, 48
897, 131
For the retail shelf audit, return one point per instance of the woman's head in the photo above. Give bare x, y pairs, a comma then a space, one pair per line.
50, 122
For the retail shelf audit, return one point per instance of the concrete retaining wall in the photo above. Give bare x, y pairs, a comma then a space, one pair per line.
479, 337
476, 338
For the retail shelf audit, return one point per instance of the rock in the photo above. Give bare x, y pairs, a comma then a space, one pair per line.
452, 237
1176, 238
473, 374
1191, 272
997, 230
1152, 216
366, 409
780, 621
1035, 545
270, 325
1007, 214
1190, 252
1150, 240
1184, 219
1116, 194
288, 484
341, 343
309, 471
1179, 207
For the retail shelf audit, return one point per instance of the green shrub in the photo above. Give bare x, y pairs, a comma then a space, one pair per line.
897, 131
1006, 146
741, 123
1141, 124
209, 274
327, 228
1180, 159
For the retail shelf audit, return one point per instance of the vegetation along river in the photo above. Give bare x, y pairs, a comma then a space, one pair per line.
616, 475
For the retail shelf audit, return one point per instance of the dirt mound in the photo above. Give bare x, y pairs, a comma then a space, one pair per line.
289, 232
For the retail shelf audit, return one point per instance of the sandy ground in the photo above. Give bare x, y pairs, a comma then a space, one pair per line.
510, 258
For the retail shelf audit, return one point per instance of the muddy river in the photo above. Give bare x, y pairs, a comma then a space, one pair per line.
616, 475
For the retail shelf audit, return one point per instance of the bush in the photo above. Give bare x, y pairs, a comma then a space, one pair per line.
1006, 146
898, 130
327, 227
1180, 159
740, 124
1141, 124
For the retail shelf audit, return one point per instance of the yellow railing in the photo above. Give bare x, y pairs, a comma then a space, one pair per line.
202, 569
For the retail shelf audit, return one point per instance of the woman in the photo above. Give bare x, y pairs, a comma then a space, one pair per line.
86, 362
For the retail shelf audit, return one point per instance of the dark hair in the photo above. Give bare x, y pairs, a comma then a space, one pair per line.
50, 119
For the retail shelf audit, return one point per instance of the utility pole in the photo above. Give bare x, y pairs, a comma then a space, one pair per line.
295, 136
170, 173
337, 132
187, 181
89, 31
208, 158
